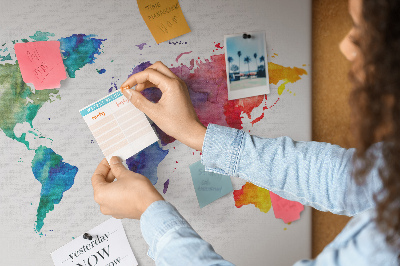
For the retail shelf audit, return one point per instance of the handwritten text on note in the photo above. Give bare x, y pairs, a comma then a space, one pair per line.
41, 63
209, 186
164, 18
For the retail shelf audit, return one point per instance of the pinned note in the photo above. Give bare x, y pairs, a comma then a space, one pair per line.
209, 186
284, 209
107, 244
41, 64
164, 18
118, 126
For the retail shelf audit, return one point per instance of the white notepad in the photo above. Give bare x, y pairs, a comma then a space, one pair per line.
108, 246
119, 128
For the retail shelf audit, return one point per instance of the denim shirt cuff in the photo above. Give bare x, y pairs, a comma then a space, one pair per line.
222, 148
158, 219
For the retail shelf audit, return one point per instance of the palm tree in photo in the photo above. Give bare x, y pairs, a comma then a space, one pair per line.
255, 59
234, 68
230, 60
239, 55
247, 60
262, 59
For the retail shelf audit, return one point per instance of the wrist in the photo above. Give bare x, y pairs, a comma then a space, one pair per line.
196, 136
148, 203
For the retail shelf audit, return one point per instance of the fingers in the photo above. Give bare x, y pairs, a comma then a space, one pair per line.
105, 210
160, 67
118, 169
139, 101
143, 86
147, 83
100, 174
159, 80
110, 177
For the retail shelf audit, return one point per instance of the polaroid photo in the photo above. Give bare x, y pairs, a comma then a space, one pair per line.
246, 65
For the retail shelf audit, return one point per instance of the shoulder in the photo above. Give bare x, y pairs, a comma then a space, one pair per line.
361, 243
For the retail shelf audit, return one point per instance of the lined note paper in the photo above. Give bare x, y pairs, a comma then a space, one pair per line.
119, 128
41, 64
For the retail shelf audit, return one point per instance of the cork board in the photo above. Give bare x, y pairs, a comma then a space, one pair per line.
331, 89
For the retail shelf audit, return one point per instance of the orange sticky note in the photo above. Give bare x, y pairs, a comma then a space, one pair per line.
284, 209
164, 18
41, 64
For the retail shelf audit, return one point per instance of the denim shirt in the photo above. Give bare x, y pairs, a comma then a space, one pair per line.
312, 173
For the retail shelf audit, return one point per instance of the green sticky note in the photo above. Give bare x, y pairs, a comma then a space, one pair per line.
209, 186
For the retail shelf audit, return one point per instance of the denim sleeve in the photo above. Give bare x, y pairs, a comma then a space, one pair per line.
360, 243
172, 241
312, 173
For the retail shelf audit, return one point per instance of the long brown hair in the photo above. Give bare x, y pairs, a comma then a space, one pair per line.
376, 107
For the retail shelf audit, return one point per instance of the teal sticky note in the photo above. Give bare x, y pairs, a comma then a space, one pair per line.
209, 186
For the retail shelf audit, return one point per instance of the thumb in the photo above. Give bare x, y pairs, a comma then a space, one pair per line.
138, 100
117, 167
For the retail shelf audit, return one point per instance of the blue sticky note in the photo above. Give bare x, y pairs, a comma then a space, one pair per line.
209, 186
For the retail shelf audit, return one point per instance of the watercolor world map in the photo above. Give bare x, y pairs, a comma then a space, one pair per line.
206, 81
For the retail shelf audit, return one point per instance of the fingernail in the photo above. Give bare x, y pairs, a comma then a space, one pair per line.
115, 160
124, 88
129, 92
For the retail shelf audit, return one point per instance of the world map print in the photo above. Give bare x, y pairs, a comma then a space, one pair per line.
205, 79
206, 82
19, 105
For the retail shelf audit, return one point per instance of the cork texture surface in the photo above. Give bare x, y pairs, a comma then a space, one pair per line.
331, 89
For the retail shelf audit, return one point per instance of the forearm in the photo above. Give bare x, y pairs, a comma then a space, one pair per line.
312, 173
195, 136
172, 241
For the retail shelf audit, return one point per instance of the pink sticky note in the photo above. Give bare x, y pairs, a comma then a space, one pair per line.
41, 64
286, 210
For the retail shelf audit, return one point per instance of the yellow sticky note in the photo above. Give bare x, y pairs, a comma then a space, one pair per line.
164, 18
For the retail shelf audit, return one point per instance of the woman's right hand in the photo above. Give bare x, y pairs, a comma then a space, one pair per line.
173, 113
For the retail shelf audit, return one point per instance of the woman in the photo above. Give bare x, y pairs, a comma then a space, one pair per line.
362, 182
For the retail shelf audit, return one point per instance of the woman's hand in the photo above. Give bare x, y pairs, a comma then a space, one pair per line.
174, 112
127, 197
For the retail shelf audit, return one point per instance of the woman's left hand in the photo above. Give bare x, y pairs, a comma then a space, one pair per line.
127, 197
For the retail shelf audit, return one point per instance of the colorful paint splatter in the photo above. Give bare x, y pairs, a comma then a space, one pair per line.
206, 82
55, 176
41, 36
140, 46
278, 73
101, 71
19, 104
166, 184
263, 199
286, 210
251, 194
208, 91
78, 50
5, 57
146, 161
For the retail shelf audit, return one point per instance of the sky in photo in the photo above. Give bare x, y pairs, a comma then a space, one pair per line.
256, 44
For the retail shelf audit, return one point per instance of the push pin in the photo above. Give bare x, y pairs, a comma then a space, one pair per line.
87, 236
246, 36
